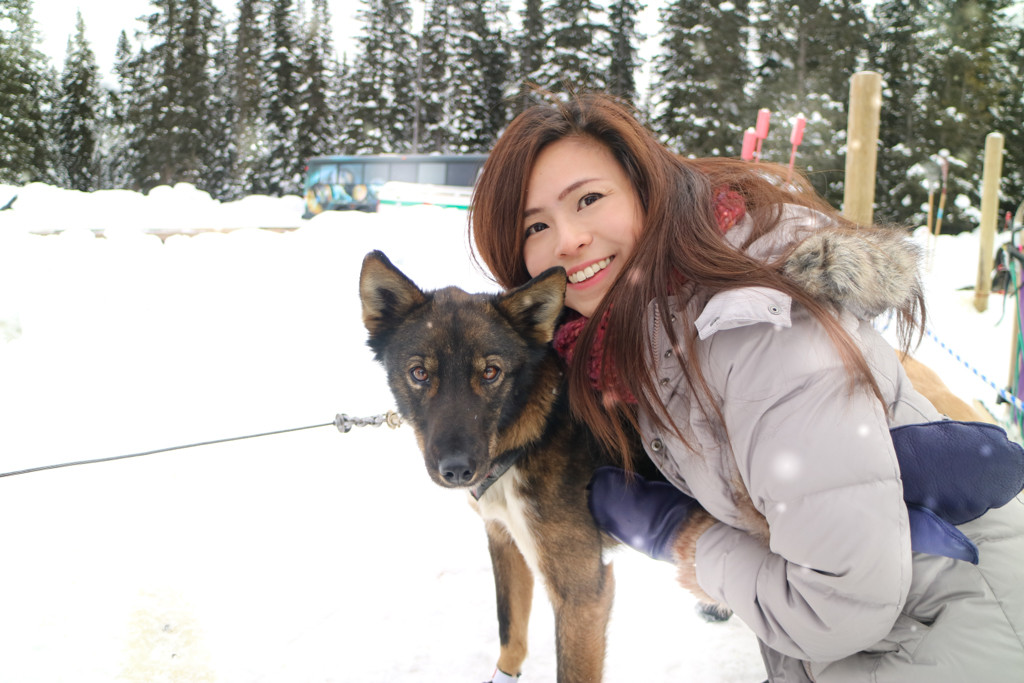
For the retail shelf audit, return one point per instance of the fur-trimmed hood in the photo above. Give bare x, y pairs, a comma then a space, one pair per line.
867, 271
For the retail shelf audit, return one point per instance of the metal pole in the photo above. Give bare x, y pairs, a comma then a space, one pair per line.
942, 197
1013, 381
931, 210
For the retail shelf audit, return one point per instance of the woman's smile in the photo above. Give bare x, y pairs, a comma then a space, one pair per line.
585, 275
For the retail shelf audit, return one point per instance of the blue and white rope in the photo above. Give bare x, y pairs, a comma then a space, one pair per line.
1007, 396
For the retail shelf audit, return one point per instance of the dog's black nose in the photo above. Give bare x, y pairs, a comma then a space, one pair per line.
456, 469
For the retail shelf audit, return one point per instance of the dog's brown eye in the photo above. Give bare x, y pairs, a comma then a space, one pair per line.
419, 373
491, 373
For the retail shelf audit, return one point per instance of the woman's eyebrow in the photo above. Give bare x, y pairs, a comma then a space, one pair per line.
561, 195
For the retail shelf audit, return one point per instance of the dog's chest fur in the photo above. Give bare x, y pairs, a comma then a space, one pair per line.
505, 503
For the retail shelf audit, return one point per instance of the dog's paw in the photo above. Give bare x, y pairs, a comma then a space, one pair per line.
712, 612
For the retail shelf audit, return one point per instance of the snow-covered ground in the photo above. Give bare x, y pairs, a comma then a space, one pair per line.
311, 556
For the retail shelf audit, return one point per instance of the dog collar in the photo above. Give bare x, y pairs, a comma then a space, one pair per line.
503, 465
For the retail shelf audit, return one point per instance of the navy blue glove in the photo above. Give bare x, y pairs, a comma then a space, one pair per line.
644, 515
958, 470
954, 472
933, 535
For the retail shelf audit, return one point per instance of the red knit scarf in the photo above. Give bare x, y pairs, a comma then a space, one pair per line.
729, 210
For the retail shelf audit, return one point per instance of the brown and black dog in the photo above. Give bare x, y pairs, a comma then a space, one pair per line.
477, 378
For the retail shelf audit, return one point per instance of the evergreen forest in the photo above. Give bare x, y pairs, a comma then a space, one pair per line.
235, 105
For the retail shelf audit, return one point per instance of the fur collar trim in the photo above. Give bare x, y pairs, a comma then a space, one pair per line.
867, 272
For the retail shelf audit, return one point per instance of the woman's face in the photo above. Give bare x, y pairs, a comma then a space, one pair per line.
583, 214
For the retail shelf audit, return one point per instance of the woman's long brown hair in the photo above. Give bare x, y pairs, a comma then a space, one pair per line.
680, 237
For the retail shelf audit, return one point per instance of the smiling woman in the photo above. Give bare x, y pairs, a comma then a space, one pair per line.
723, 312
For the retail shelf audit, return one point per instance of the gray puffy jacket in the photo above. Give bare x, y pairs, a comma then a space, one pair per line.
812, 545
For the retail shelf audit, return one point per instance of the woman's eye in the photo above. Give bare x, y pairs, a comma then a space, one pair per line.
491, 373
535, 228
419, 373
588, 199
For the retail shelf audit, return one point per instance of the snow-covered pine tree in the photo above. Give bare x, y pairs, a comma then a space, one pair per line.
699, 98
480, 62
969, 71
346, 104
433, 79
384, 75
116, 156
808, 51
77, 112
199, 23
530, 51
247, 78
318, 96
843, 33
625, 40
898, 29
575, 56
282, 172
27, 84
500, 88
219, 155
145, 100
1011, 113
168, 110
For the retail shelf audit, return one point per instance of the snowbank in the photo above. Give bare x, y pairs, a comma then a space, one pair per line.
44, 209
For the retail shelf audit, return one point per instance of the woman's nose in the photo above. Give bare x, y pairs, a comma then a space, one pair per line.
572, 237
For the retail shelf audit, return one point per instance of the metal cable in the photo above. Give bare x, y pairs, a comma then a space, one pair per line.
343, 422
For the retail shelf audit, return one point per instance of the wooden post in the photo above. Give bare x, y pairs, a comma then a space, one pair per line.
862, 146
990, 179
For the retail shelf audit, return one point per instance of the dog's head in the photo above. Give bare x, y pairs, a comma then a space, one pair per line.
465, 369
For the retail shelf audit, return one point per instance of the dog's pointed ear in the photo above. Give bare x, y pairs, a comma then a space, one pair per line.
387, 295
533, 308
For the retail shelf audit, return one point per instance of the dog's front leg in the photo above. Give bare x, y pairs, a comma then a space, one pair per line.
581, 588
513, 585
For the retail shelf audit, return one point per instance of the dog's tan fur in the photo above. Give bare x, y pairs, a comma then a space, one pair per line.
928, 383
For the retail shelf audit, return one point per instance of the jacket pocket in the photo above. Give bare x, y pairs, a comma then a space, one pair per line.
898, 648
906, 634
